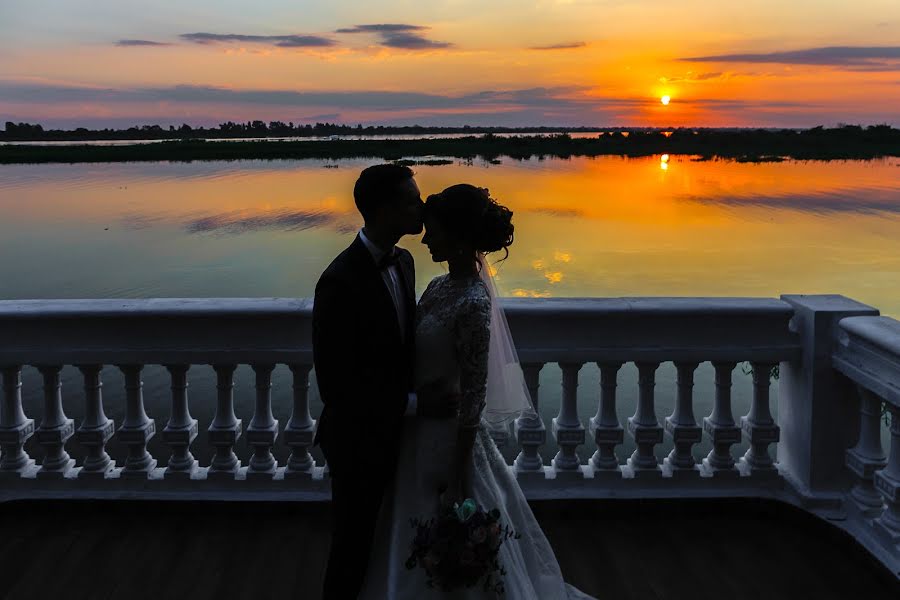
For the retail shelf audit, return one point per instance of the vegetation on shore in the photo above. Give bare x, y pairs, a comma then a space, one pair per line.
847, 142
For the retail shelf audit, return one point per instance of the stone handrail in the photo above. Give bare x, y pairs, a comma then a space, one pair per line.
818, 341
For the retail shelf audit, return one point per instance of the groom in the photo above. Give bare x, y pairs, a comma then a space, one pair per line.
363, 334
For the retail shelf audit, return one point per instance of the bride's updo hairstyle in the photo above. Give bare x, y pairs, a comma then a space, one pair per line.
468, 213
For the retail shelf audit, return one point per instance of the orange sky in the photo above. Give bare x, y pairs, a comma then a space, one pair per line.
453, 62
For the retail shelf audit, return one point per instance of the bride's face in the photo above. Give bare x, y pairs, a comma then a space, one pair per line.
439, 243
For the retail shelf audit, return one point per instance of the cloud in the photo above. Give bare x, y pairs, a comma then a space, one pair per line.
843, 56
398, 35
563, 46
283, 41
127, 43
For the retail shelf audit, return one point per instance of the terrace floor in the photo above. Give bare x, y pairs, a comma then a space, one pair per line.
613, 549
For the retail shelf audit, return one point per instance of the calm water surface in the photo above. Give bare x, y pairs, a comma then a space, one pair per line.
605, 226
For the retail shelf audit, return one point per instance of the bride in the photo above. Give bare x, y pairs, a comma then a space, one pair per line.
463, 347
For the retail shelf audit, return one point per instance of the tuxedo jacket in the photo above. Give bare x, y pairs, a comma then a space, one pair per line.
364, 366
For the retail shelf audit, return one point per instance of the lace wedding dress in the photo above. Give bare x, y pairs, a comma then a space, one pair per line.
452, 340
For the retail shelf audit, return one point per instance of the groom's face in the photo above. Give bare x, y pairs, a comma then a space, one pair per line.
406, 210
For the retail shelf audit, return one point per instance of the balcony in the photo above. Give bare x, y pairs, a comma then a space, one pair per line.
816, 465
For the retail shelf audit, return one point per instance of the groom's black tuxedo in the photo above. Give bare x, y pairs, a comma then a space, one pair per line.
364, 370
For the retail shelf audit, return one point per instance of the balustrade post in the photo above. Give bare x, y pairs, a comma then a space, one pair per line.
55, 428
181, 429
263, 427
721, 428
566, 426
96, 429
530, 431
225, 428
301, 427
867, 456
137, 429
605, 427
682, 426
644, 426
15, 427
758, 425
887, 481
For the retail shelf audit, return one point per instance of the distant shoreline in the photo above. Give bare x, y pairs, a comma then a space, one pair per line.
751, 145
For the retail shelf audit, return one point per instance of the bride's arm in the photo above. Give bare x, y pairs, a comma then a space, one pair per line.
472, 340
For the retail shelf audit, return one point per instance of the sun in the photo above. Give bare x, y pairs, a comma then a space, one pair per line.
665, 100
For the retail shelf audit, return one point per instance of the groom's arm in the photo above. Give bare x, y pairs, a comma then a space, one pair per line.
333, 341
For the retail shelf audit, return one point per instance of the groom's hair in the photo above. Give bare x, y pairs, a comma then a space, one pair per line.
376, 185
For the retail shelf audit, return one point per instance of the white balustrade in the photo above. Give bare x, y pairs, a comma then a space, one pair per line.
604, 426
181, 429
720, 426
567, 427
138, 428
758, 425
530, 431
301, 428
96, 429
263, 428
644, 426
55, 429
829, 458
867, 456
225, 428
15, 427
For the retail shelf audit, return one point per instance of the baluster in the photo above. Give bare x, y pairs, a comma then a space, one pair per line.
181, 429
567, 428
605, 427
887, 481
530, 431
15, 428
867, 456
682, 426
643, 426
225, 428
55, 428
137, 429
301, 427
96, 429
263, 427
758, 426
721, 428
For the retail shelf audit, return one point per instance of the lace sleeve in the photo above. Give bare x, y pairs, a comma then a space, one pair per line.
472, 338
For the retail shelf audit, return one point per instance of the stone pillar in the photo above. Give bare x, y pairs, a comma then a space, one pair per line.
682, 426
96, 429
137, 429
817, 407
301, 427
55, 428
225, 428
867, 456
181, 429
567, 427
887, 481
721, 428
758, 425
15, 428
530, 431
263, 427
605, 427
643, 426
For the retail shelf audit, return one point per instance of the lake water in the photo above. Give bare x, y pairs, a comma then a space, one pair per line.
606, 226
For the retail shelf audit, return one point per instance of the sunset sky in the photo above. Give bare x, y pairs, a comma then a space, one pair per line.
117, 63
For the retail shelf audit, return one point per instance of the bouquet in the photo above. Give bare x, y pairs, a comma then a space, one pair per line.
458, 547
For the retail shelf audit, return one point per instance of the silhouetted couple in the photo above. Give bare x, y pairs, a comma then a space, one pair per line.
410, 391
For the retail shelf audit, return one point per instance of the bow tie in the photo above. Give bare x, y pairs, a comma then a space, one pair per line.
389, 260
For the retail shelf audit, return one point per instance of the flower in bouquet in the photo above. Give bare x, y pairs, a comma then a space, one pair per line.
459, 547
